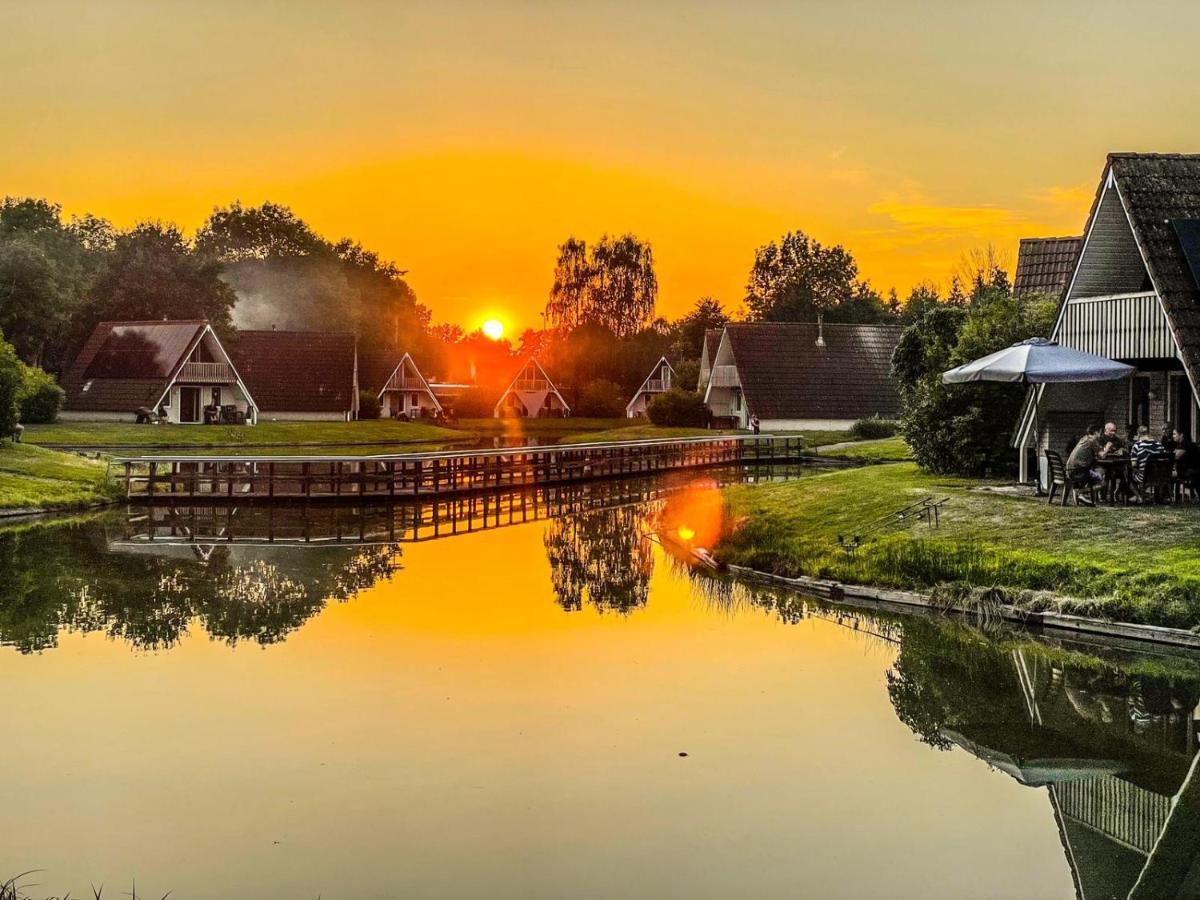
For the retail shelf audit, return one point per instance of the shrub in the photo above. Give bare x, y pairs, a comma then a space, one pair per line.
678, 408
601, 399
473, 403
10, 387
369, 406
687, 374
874, 428
40, 398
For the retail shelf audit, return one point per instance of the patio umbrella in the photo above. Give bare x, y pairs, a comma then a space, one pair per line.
1038, 361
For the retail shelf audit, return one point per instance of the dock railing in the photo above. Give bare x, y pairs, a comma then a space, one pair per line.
422, 474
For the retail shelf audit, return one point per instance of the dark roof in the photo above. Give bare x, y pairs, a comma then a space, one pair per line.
1045, 265
785, 375
1156, 189
126, 365
297, 371
376, 365
712, 340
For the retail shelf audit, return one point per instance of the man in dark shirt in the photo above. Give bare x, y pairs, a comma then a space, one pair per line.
1081, 464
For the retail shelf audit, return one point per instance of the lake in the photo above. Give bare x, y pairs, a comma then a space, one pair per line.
533, 696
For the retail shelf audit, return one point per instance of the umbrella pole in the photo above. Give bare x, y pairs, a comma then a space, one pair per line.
1037, 453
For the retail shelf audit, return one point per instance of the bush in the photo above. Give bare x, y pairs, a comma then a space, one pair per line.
473, 403
687, 374
679, 408
874, 428
369, 406
10, 387
600, 399
40, 398
964, 429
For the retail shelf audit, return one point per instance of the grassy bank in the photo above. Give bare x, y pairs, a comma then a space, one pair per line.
1134, 564
94, 435
35, 478
882, 450
641, 432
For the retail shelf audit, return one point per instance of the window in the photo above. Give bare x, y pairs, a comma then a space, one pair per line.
87, 386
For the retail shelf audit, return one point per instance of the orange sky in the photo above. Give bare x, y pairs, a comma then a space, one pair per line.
467, 140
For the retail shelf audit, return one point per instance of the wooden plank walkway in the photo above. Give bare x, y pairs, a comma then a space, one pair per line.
174, 478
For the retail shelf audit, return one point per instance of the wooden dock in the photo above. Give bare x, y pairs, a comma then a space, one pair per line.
357, 478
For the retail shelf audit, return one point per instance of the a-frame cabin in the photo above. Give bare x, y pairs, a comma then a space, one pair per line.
531, 394
400, 386
1133, 297
660, 379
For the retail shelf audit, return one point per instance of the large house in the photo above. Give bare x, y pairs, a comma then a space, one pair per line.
177, 370
300, 375
531, 394
658, 381
399, 384
1044, 265
802, 376
1133, 296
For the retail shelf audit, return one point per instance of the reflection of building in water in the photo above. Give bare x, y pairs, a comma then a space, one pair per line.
1113, 751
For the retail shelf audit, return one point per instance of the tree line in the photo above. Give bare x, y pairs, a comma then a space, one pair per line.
265, 267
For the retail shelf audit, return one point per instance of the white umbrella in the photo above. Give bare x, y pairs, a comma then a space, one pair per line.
1038, 361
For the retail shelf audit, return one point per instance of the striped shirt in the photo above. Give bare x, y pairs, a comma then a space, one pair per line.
1143, 449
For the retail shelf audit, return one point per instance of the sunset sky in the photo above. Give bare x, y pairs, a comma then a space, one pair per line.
466, 141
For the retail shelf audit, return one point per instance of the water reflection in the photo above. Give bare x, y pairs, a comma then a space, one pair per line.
1109, 732
147, 574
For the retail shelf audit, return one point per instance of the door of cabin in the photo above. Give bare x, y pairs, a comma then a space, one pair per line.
189, 405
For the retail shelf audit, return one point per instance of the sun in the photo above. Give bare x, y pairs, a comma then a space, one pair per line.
494, 329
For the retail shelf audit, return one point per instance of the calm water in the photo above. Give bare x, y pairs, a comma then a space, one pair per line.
246, 703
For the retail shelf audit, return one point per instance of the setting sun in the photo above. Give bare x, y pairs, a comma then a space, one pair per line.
494, 329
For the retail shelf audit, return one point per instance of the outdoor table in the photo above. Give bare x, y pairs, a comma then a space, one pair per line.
1117, 474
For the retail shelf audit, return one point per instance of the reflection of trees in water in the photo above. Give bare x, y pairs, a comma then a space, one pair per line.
63, 579
601, 557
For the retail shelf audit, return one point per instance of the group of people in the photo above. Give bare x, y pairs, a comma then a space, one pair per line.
1086, 469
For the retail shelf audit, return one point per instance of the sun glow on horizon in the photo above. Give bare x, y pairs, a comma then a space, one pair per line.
493, 328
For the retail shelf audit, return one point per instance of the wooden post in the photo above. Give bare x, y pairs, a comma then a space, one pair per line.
153, 479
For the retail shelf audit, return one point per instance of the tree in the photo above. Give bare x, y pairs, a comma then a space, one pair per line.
10, 387
798, 279
688, 332
964, 429
46, 268
235, 234
152, 273
612, 285
602, 399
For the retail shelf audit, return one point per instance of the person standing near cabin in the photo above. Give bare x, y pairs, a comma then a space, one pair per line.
754, 424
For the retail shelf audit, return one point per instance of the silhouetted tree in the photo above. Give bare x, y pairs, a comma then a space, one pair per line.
612, 285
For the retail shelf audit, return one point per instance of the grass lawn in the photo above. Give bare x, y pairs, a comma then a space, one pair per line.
1139, 564
85, 435
35, 478
881, 450
642, 432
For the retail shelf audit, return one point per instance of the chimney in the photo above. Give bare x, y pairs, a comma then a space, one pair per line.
820, 330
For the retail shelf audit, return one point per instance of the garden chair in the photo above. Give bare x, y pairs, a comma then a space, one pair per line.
1058, 476
1156, 483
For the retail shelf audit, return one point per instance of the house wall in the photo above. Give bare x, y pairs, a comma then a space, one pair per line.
806, 424
727, 402
73, 415
396, 402
230, 394
286, 416
535, 404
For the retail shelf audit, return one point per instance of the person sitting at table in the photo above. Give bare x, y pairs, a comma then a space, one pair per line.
1167, 438
1187, 459
1081, 464
1143, 450
1111, 443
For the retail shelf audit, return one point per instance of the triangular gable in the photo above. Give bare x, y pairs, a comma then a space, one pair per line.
207, 331
655, 374
550, 386
407, 358
1130, 246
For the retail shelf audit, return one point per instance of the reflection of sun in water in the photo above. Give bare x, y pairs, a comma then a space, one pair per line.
494, 329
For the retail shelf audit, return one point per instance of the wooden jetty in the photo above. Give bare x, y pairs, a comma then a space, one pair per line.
405, 520
357, 478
